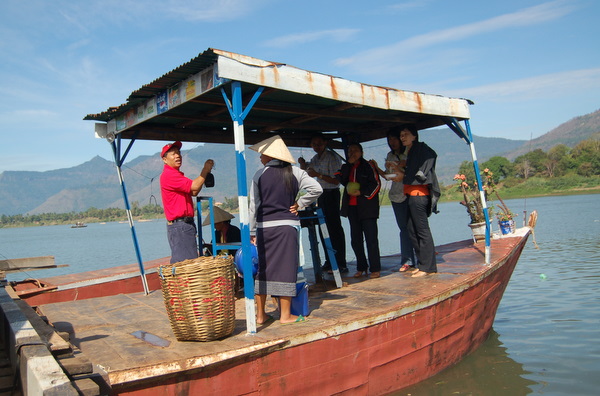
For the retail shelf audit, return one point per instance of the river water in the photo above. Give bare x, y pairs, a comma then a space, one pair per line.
546, 336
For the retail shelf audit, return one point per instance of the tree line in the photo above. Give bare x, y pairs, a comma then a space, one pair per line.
560, 160
94, 215
90, 215
565, 167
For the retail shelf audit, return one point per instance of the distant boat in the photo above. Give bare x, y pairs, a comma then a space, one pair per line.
79, 224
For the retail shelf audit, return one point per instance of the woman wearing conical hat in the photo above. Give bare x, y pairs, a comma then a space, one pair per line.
274, 225
225, 232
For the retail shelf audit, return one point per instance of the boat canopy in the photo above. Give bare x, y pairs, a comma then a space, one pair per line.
187, 104
223, 97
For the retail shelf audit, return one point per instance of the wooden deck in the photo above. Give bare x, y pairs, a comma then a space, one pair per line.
129, 341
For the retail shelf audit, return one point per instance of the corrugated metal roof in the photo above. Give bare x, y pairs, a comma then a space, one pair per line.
195, 65
187, 104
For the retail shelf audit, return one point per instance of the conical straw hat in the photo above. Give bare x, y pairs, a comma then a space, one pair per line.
220, 215
274, 147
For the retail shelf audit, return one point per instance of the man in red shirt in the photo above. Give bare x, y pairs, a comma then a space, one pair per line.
177, 191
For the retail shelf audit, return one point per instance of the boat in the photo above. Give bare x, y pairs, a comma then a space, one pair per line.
108, 331
369, 337
79, 224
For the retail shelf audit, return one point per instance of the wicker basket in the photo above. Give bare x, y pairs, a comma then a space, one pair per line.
199, 297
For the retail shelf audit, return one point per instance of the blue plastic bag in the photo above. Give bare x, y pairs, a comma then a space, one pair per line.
237, 260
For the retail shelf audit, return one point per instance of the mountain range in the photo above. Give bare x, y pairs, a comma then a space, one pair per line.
95, 183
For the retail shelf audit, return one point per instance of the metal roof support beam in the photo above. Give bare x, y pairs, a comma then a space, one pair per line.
456, 128
119, 161
238, 114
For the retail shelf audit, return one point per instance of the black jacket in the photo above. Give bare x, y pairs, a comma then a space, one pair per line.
368, 201
420, 170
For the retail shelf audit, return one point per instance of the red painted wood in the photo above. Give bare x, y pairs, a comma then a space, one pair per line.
373, 360
103, 286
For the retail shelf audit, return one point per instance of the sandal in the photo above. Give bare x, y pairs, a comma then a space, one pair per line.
421, 273
405, 267
268, 320
374, 275
299, 319
360, 274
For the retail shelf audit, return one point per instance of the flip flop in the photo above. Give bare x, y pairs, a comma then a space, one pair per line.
300, 319
420, 274
267, 321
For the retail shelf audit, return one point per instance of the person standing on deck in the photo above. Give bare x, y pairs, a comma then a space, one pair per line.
360, 204
176, 191
324, 166
422, 191
395, 162
275, 225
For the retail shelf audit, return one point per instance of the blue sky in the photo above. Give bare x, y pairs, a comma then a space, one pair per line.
528, 65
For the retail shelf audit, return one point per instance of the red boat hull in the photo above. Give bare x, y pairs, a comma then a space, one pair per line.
373, 360
373, 337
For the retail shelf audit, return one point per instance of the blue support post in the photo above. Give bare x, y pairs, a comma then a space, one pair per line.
329, 247
314, 253
481, 193
238, 114
119, 161
199, 227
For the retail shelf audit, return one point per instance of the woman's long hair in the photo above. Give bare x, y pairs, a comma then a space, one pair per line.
284, 170
288, 176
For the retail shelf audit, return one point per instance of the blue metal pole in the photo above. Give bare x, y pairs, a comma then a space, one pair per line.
199, 229
118, 162
481, 193
329, 247
237, 115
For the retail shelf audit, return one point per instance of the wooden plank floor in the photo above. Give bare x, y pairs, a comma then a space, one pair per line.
105, 329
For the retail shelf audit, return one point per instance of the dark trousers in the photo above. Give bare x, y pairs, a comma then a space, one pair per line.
329, 202
406, 246
182, 240
420, 234
367, 228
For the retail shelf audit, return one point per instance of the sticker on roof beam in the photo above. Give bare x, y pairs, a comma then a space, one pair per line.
162, 102
174, 96
120, 122
186, 90
131, 117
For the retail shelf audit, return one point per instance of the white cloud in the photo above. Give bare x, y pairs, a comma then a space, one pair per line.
33, 114
86, 16
73, 20
211, 10
388, 55
408, 5
336, 35
79, 44
555, 85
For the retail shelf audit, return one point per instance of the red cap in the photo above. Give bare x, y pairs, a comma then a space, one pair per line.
167, 147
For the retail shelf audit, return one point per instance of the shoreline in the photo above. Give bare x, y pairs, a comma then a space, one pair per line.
575, 191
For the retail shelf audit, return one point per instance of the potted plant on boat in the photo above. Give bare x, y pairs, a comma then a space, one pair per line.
472, 202
506, 222
504, 215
